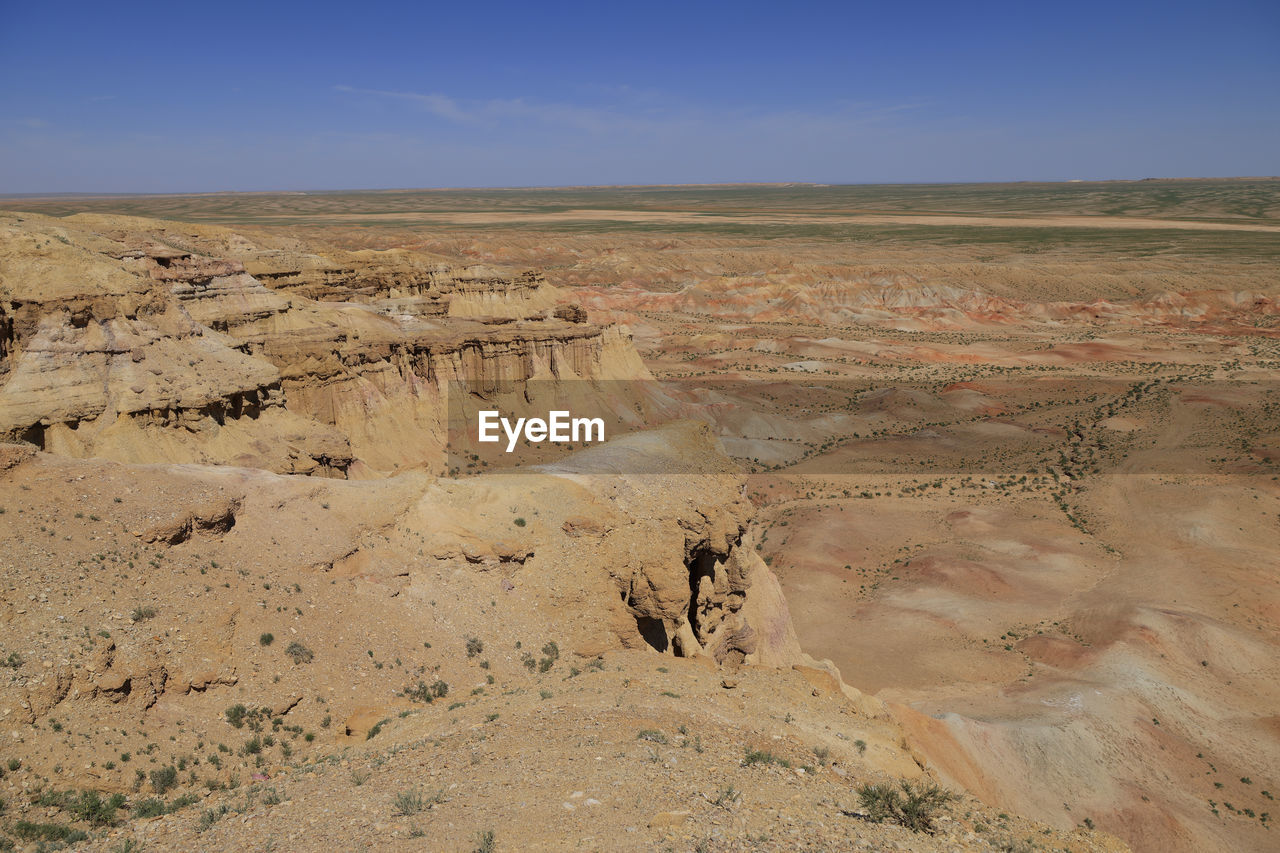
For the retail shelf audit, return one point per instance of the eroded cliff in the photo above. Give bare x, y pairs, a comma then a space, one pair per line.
146, 341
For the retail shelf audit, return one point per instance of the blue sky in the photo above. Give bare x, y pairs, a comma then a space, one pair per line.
175, 97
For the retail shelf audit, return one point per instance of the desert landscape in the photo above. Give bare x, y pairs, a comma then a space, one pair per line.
931, 517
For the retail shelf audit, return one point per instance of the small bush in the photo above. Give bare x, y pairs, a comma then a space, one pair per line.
236, 714
410, 803
210, 817
727, 796
164, 779
485, 842
910, 805
652, 736
90, 807
29, 831
142, 613
427, 693
474, 646
752, 757
299, 653
414, 801
266, 639
150, 807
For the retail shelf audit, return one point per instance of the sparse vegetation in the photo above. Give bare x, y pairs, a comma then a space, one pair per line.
164, 779
57, 832
150, 807
299, 653
752, 757
142, 613
427, 693
910, 804
414, 801
726, 797
210, 817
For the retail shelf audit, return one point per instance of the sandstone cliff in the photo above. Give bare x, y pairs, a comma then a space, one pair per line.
132, 340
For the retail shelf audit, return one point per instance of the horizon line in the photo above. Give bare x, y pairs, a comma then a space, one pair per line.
70, 194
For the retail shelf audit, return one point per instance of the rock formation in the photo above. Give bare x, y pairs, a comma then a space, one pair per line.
129, 342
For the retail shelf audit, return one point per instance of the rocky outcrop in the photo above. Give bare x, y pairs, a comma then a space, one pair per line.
524, 295
132, 344
397, 281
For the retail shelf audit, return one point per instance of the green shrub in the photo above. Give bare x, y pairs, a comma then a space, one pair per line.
410, 802
90, 807
150, 807
210, 817
756, 756
911, 805
29, 831
427, 693
164, 779
266, 639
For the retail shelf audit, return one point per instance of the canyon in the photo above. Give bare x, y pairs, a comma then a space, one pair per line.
938, 502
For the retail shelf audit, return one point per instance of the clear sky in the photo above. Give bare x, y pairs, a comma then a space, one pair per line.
181, 96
